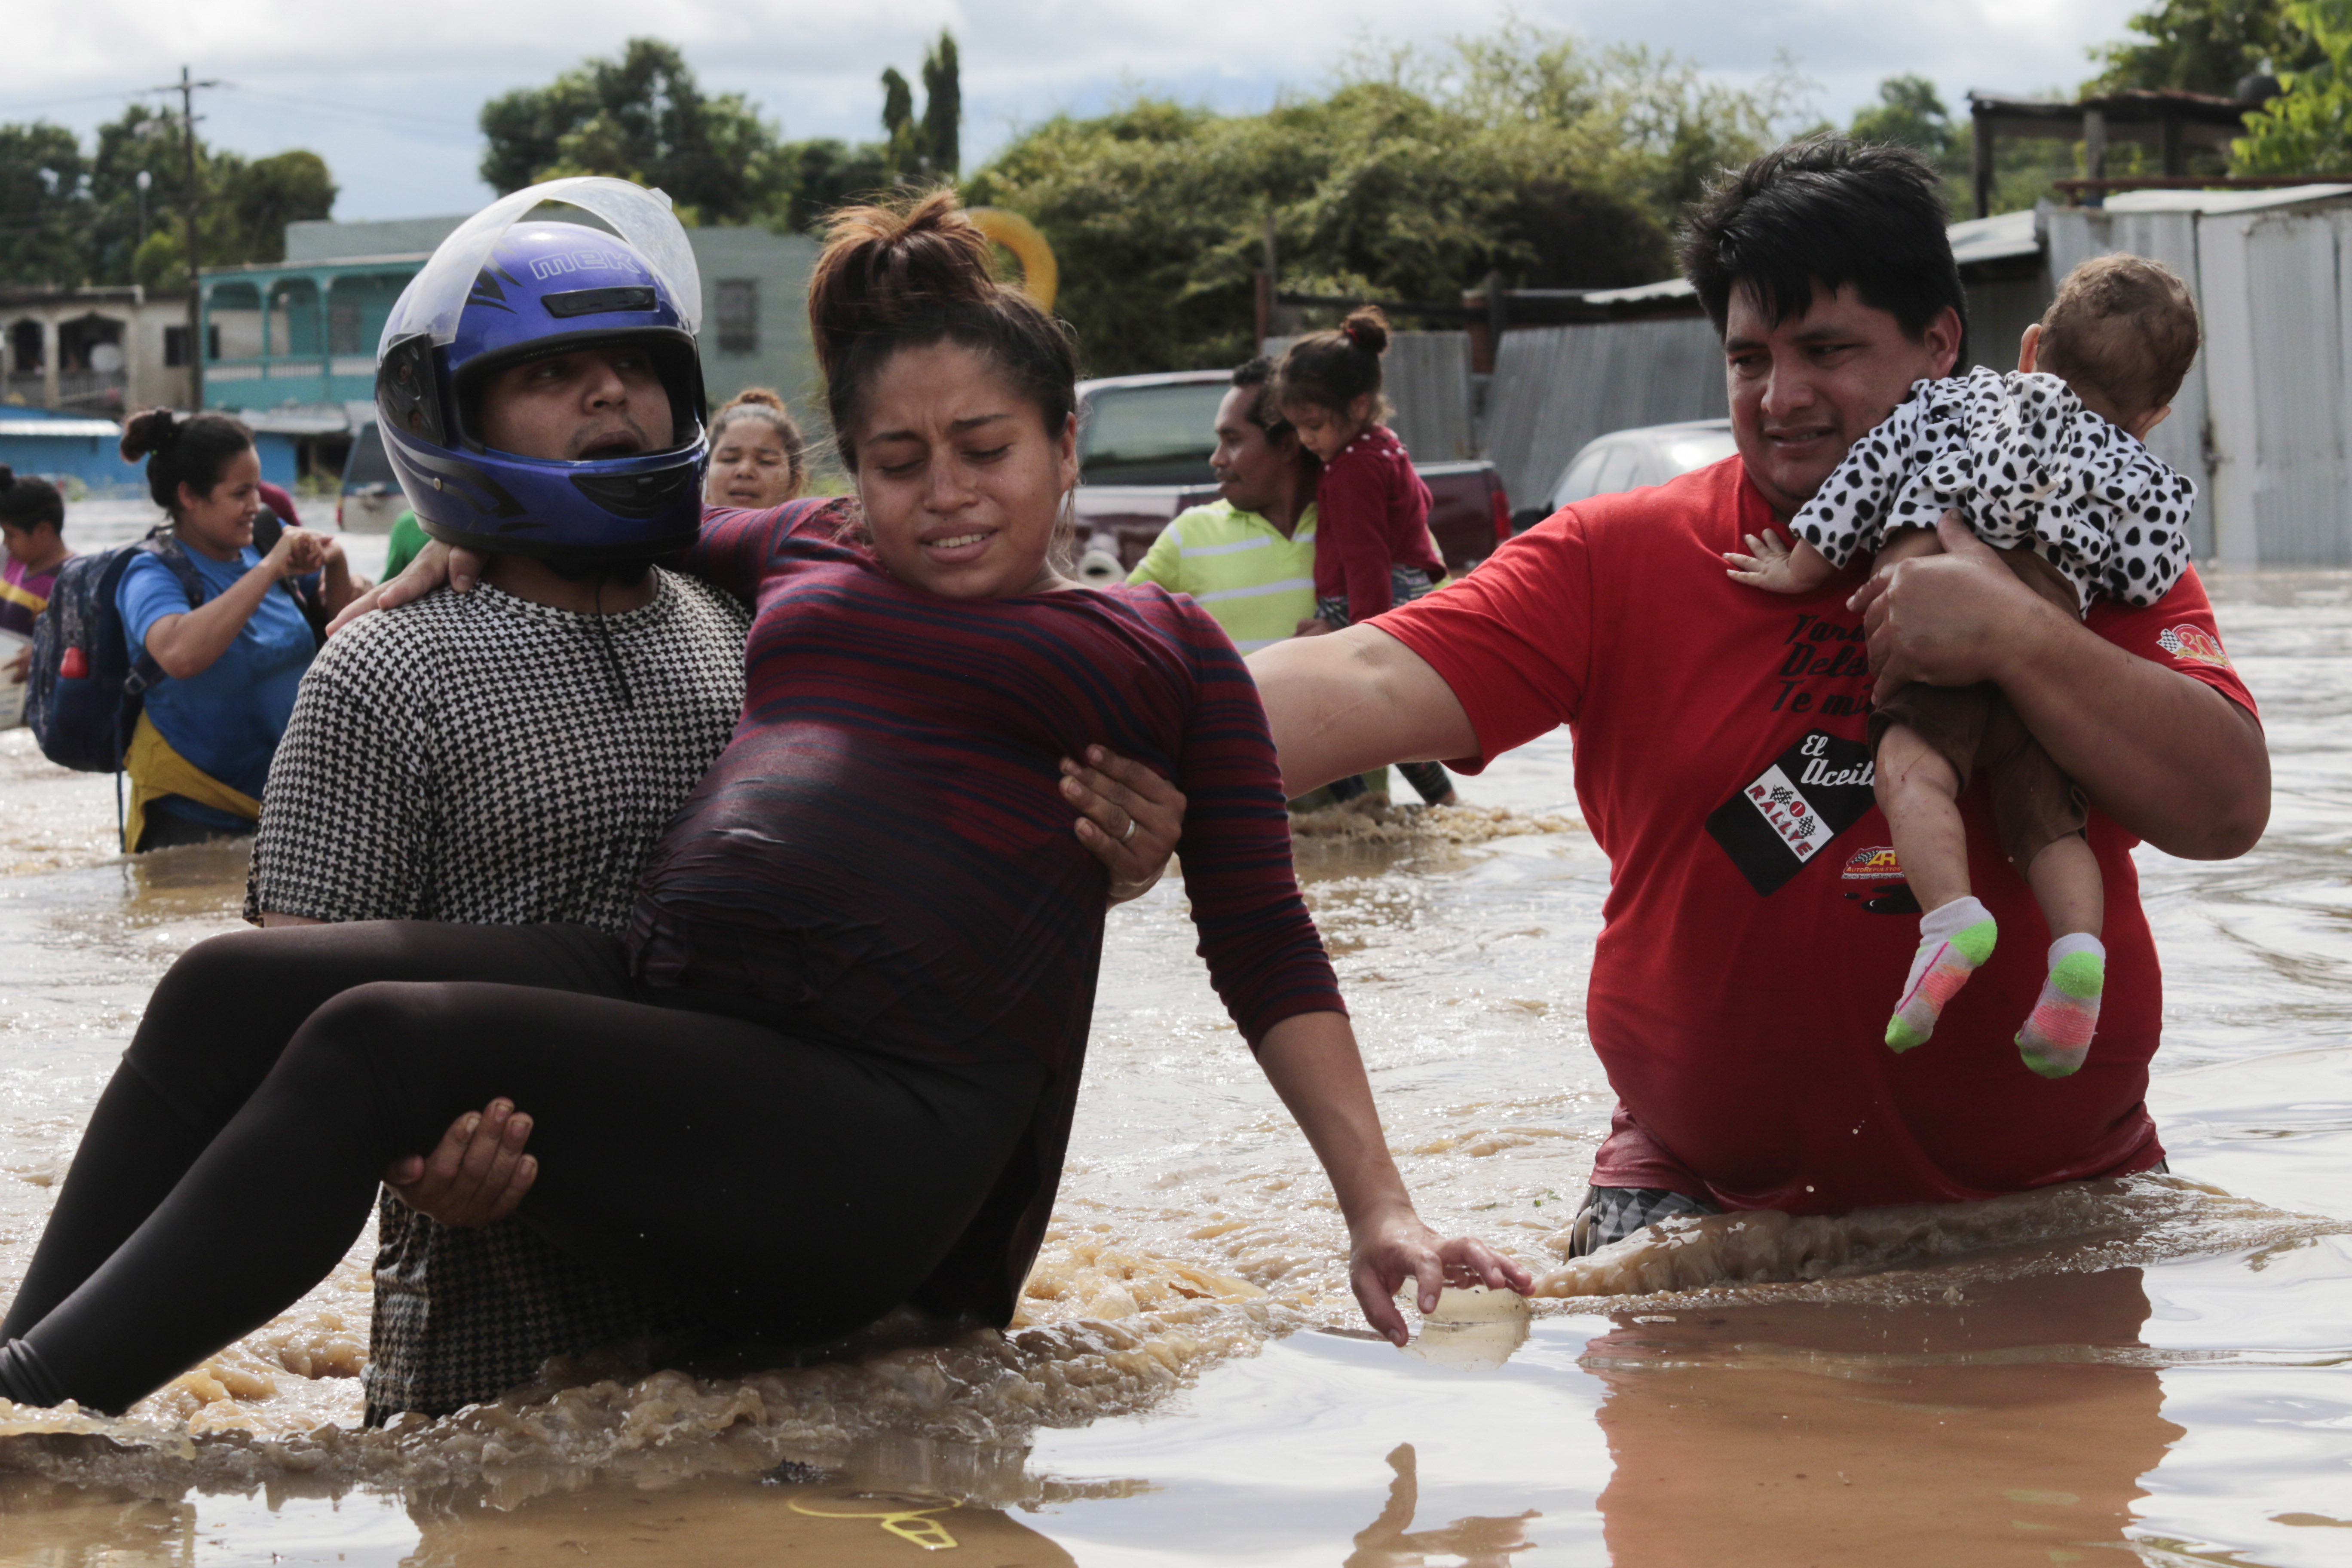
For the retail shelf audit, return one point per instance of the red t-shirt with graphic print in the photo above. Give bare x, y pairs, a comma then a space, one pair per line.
1758, 929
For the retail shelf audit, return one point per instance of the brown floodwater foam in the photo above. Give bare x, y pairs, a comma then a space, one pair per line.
2079, 1225
1103, 1331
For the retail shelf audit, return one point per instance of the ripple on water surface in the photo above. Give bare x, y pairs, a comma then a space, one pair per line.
2151, 1365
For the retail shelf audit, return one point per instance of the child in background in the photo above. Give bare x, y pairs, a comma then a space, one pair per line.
33, 520
1372, 547
2045, 466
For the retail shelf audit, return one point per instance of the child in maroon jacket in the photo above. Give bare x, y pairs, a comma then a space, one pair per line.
1372, 547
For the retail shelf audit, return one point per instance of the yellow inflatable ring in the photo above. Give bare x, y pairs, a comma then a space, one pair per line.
1039, 275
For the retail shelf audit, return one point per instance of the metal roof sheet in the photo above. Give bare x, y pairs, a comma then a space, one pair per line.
67, 427
302, 419
1641, 293
2221, 201
1995, 238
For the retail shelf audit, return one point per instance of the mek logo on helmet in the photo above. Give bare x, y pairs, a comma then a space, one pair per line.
544, 268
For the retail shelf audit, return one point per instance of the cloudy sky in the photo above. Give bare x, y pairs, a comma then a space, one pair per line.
388, 92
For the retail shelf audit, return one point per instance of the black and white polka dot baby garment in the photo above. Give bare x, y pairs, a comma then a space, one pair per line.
2025, 464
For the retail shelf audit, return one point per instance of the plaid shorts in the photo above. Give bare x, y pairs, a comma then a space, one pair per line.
1406, 583
1612, 1214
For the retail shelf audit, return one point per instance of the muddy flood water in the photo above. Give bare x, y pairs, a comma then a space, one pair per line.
2155, 1368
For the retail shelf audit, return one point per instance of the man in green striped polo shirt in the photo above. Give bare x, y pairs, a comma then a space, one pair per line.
1248, 557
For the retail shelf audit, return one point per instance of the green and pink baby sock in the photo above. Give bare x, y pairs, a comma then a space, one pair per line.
2058, 1036
1955, 940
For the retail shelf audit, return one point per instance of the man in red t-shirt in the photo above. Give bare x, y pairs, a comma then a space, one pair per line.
1758, 922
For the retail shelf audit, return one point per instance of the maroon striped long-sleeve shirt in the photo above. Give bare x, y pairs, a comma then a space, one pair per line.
883, 848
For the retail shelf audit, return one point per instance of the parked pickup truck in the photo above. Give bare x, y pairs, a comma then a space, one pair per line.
1144, 443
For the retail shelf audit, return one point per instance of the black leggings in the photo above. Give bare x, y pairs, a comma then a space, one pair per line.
792, 1191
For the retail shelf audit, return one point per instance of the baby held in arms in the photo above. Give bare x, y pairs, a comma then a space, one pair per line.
2045, 466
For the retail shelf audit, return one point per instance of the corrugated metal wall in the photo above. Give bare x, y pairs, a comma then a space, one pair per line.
1555, 388
1426, 376
2261, 421
1999, 313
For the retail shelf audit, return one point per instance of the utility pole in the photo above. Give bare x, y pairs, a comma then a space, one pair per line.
187, 89
1268, 280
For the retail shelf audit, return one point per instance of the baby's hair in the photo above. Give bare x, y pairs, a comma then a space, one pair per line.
30, 500
918, 273
1331, 370
2125, 328
762, 403
191, 452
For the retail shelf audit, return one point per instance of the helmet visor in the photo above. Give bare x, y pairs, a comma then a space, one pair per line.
437, 296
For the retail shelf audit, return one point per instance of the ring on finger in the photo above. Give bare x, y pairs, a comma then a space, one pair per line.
1131, 825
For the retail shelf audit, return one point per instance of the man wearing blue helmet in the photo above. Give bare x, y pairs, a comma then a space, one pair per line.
509, 756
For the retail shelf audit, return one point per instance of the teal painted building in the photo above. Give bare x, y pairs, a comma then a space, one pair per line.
292, 344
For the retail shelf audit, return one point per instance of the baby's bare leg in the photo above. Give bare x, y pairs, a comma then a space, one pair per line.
1918, 789
1905, 544
2067, 885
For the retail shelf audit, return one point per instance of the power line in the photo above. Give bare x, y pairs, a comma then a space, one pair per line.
85, 98
364, 111
265, 95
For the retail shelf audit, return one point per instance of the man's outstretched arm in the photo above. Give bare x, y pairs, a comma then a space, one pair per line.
2172, 759
1357, 700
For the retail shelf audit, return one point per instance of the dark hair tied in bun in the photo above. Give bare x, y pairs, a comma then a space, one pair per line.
191, 452
1367, 329
911, 274
1331, 370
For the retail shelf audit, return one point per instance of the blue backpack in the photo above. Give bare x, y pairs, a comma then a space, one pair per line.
85, 692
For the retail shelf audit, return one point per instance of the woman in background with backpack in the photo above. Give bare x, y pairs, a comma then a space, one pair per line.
233, 650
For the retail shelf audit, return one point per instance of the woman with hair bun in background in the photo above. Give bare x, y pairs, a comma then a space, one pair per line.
1372, 549
756, 452
233, 655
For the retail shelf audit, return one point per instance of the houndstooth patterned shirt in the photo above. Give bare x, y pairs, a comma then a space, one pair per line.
468, 759
2025, 464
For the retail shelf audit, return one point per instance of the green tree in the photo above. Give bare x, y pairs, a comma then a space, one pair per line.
902, 136
266, 195
2307, 128
73, 218
928, 146
1909, 113
823, 174
642, 117
2204, 46
41, 171
943, 108
1411, 178
140, 138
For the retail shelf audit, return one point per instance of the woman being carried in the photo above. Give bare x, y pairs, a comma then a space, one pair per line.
830, 1069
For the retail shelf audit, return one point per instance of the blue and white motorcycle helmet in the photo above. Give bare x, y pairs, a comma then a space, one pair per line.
507, 287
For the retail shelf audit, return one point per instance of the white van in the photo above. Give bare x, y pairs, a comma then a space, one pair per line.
372, 498
1647, 455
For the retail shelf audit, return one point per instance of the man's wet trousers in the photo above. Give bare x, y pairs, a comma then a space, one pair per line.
793, 1191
